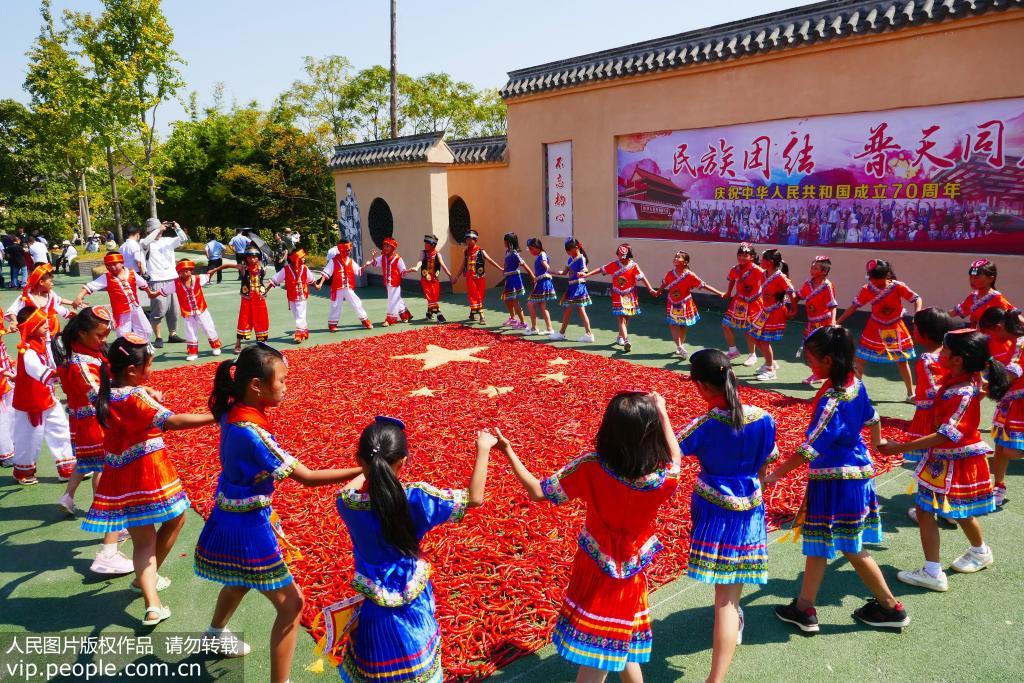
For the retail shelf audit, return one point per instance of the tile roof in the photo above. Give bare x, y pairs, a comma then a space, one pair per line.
479, 150
797, 27
412, 149
403, 150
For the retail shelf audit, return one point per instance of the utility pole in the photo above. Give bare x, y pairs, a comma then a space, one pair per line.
394, 68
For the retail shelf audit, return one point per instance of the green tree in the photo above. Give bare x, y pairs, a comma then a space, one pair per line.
437, 102
368, 97
319, 101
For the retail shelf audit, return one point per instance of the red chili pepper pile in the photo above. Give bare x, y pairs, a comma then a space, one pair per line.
498, 576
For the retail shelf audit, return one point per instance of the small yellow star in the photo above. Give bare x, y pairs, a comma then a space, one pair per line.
558, 361
559, 377
494, 392
424, 391
436, 356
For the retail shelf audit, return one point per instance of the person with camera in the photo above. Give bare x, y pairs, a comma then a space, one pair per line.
162, 239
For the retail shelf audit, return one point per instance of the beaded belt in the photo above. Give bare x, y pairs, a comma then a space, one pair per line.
242, 504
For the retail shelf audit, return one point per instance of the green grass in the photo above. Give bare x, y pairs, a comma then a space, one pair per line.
972, 633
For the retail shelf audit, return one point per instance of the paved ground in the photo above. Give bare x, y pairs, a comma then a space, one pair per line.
974, 632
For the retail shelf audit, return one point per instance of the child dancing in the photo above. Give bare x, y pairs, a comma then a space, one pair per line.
430, 266
680, 311
296, 278
747, 279
576, 295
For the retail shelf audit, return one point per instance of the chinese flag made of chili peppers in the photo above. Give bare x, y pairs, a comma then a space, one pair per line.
499, 576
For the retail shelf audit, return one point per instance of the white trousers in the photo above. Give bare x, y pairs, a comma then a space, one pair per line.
299, 313
395, 304
193, 323
28, 438
6, 426
334, 314
134, 320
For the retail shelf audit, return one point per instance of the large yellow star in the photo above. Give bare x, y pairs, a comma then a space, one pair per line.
436, 356
492, 391
558, 361
424, 391
559, 377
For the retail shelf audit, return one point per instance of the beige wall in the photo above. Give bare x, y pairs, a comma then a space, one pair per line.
962, 61
491, 212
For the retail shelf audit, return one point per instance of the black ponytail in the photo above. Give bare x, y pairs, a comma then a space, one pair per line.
972, 346
381, 445
712, 367
836, 343
125, 352
512, 241
254, 362
83, 322
535, 243
1013, 323
774, 256
573, 242
998, 380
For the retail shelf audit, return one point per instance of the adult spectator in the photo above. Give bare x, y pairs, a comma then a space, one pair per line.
239, 242
214, 256
37, 251
68, 254
131, 250
161, 240
291, 238
282, 245
16, 260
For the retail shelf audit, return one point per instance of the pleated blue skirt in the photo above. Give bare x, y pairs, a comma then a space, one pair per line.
727, 546
842, 515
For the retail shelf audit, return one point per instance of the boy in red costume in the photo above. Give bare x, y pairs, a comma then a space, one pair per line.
253, 317
343, 271
473, 265
122, 286
393, 267
296, 278
192, 302
430, 266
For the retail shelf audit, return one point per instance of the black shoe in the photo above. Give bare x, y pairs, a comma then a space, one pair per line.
429, 316
791, 614
626, 348
874, 614
175, 339
440, 318
159, 343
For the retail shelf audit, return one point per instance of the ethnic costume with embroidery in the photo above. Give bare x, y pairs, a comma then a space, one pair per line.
195, 313
680, 309
129, 317
928, 375
624, 279
7, 372
140, 485
239, 543
976, 303
392, 267
80, 379
745, 305
841, 506
820, 301
253, 317
729, 540
38, 415
53, 307
342, 272
953, 479
296, 279
770, 323
395, 636
577, 293
514, 286
430, 280
605, 621
476, 280
543, 285
1008, 422
885, 338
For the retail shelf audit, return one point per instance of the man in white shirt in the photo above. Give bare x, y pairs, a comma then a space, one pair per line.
239, 242
131, 250
37, 250
214, 256
68, 255
162, 240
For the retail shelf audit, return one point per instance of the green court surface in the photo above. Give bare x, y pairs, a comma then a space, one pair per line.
972, 633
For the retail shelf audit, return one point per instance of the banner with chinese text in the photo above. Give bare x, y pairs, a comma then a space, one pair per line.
559, 188
943, 178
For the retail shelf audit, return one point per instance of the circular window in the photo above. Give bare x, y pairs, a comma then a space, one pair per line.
382, 225
458, 220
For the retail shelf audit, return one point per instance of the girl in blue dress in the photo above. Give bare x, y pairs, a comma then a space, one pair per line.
514, 287
840, 508
729, 541
395, 636
576, 296
239, 546
543, 288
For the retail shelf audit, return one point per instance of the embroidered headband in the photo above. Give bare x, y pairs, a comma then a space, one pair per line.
185, 264
390, 242
297, 256
622, 250
818, 259
32, 323
103, 313
38, 273
977, 266
472, 235
430, 239
112, 257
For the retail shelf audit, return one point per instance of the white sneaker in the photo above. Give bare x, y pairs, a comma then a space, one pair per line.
557, 336
67, 504
226, 644
732, 354
530, 331
114, 564
619, 340
1000, 493
683, 355
192, 357
216, 351
739, 634
749, 362
762, 369
921, 578
766, 376
586, 338
971, 562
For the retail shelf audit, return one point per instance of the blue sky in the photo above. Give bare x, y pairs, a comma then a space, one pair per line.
255, 47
